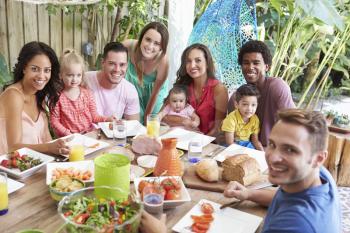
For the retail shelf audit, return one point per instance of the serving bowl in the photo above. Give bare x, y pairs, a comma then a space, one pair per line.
184, 195
81, 209
57, 194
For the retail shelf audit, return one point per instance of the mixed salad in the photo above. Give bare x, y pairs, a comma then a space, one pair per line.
22, 162
103, 214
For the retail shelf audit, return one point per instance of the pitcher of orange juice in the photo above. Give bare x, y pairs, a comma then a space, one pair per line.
4, 197
76, 153
153, 125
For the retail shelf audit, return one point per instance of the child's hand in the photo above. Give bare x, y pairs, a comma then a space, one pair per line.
110, 119
187, 123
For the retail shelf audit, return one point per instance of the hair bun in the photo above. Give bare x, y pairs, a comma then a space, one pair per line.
68, 51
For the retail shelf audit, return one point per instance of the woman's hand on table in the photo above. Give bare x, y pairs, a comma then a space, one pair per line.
150, 224
58, 147
236, 190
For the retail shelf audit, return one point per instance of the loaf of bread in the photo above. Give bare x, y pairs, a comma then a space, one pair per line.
241, 168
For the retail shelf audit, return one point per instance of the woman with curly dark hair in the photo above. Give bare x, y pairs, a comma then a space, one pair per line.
36, 86
207, 95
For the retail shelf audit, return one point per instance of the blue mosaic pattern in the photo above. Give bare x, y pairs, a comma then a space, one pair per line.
224, 27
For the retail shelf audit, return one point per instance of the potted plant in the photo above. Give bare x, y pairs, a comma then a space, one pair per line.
330, 116
342, 121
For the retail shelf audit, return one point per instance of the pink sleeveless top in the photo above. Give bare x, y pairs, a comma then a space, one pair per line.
205, 108
33, 132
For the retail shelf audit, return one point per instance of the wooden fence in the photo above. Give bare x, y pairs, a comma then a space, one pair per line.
24, 22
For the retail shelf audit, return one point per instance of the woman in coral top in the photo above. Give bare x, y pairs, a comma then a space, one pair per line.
207, 95
23, 104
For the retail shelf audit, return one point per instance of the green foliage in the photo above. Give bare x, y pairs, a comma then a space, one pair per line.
139, 12
298, 31
5, 75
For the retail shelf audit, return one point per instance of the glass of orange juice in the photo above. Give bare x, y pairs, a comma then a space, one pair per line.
4, 197
153, 125
76, 153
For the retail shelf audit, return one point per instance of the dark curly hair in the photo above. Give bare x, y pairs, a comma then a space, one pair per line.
182, 77
50, 93
255, 46
246, 90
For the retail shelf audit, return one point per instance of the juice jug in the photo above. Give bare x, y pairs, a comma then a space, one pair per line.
168, 162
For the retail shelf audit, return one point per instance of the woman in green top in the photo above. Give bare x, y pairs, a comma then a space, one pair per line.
148, 67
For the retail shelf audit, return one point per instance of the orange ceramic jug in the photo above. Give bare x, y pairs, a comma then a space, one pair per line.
168, 162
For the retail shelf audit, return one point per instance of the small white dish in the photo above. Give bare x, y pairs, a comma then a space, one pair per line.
133, 128
184, 137
82, 166
147, 161
122, 151
15, 172
227, 220
185, 196
13, 185
135, 172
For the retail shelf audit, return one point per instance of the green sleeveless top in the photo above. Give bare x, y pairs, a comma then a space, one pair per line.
145, 90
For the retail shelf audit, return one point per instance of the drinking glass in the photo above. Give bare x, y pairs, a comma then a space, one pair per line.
76, 153
153, 125
194, 151
153, 201
119, 132
4, 197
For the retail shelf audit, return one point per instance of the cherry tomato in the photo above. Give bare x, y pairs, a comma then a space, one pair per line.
14, 162
207, 208
143, 184
170, 183
172, 195
68, 213
81, 218
159, 189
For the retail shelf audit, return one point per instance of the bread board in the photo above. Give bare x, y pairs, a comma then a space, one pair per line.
191, 180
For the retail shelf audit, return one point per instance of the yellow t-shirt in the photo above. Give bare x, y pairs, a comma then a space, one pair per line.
234, 123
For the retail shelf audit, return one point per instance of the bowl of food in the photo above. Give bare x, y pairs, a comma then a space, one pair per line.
172, 188
64, 186
87, 209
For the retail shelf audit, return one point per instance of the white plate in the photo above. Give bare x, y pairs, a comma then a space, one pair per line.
13, 185
133, 128
148, 161
15, 172
235, 149
87, 165
87, 142
135, 172
185, 196
184, 137
227, 220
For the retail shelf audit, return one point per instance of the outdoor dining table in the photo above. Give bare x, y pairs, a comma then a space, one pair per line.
32, 207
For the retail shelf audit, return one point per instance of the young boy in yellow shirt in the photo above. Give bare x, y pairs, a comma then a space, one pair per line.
241, 126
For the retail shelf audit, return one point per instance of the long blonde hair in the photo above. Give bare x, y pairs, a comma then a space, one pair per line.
69, 56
